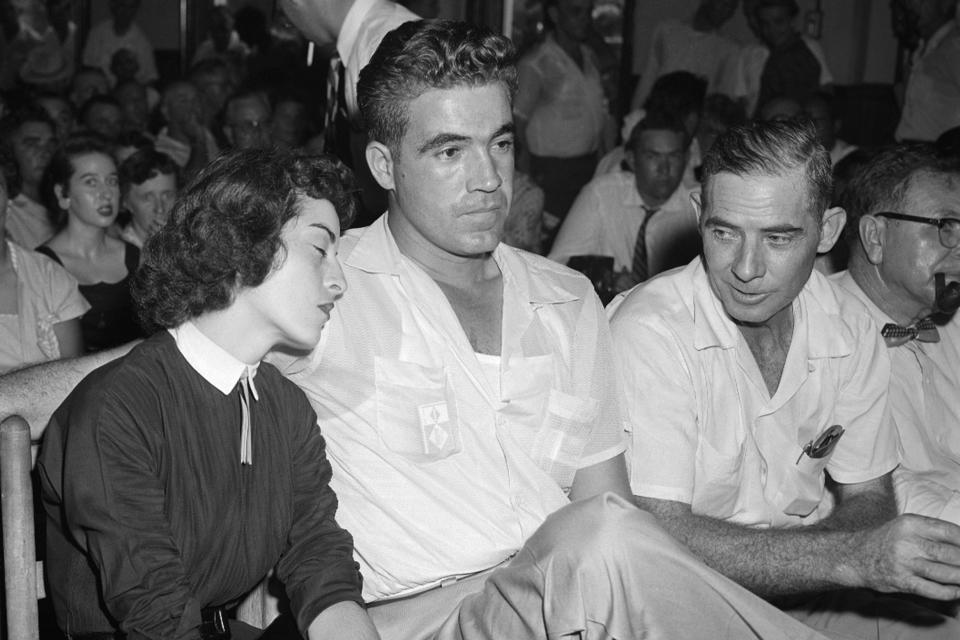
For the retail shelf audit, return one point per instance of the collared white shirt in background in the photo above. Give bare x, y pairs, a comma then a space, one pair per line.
364, 26
748, 71
606, 217
562, 103
925, 401
103, 42
931, 103
677, 46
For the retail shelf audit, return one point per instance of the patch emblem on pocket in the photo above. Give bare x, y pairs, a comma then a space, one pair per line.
434, 426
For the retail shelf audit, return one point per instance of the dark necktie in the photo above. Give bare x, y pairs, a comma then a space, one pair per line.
924, 331
640, 269
335, 115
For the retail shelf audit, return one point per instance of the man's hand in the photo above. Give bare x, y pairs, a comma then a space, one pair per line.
909, 554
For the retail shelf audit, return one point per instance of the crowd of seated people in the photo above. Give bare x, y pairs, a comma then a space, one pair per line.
738, 424
111, 98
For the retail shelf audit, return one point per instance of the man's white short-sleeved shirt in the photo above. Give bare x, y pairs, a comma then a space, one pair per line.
925, 404
444, 465
705, 430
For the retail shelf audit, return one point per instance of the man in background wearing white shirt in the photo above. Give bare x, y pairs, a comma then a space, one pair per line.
643, 218
355, 28
120, 32
904, 228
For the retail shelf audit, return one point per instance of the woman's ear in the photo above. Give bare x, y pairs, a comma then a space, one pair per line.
63, 198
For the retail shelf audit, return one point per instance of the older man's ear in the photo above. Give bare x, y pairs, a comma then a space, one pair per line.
834, 219
872, 229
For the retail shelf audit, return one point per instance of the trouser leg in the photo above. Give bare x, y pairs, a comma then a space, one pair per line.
602, 568
867, 615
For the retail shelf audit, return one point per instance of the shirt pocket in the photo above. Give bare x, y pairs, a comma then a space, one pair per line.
803, 490
563, 435
416, 410
718, 480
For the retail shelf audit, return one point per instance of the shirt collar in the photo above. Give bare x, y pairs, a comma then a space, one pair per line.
211, 361
816, 311
845, 280
375, 251
711, 324
677, 200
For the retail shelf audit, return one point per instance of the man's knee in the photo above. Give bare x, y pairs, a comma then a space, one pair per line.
601, 529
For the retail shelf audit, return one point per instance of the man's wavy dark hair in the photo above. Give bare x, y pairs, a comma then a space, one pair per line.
777, 148
224, 232
423, 55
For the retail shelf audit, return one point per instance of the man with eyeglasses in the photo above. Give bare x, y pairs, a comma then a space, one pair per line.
904, 234
247, 123
756, 397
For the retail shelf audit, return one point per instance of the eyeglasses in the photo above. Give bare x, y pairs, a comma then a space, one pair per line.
949, 228
249, 127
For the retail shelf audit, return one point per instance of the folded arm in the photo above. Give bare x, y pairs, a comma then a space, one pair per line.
35, 392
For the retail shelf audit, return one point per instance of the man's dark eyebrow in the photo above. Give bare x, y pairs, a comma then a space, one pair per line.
320, 225
783, 228
507, 127
716, 221
440, 140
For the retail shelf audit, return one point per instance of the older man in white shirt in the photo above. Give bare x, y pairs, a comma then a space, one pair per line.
750, 380
904, 209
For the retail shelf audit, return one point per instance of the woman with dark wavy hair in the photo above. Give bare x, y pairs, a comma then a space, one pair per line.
176, 477
82, 187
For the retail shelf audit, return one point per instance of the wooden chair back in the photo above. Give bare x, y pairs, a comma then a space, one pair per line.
22, 574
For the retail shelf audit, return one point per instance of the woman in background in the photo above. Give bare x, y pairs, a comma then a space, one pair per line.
148, 189
81, 184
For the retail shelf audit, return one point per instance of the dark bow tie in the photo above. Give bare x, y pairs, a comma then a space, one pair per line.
924, 331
